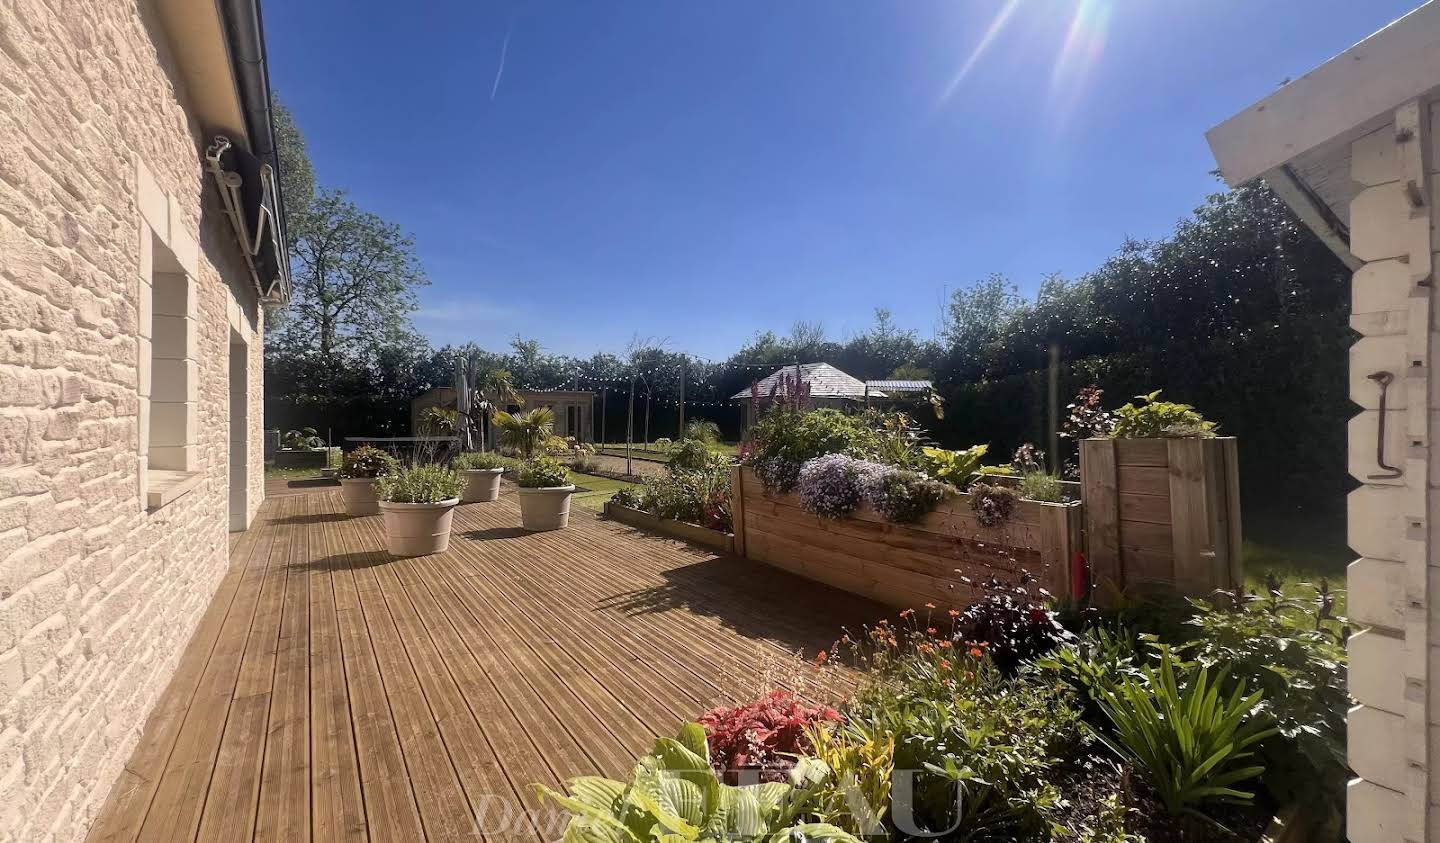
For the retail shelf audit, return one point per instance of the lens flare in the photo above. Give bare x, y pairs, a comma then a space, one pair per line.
1084, 44
991, 33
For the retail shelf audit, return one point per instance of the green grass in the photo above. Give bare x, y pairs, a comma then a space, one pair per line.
272, 470
640, 452
599, 489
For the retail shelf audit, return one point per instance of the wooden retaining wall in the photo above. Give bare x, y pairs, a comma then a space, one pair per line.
1162, 512
694, 533
905, 565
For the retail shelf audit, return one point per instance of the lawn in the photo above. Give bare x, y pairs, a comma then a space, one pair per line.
642, 452
597, 489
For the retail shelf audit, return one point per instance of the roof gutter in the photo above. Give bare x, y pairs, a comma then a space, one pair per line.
246, 35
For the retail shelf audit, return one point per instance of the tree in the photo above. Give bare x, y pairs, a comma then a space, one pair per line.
297, 175
353, 283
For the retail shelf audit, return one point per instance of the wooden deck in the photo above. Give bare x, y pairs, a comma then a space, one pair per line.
332, 692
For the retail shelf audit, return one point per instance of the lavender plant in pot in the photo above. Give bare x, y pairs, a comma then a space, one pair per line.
418, 505
358, 473
545, 492
481, 471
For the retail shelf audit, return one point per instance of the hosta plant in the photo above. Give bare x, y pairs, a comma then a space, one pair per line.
673, 797
1193, 742
955, 467
1153, 418
367, 462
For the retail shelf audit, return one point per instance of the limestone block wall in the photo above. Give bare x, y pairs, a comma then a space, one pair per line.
1393, 731
98, 596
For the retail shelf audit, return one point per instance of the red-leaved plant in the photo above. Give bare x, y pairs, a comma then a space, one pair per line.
763, 735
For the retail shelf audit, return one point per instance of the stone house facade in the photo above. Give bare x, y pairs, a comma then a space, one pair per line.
1354, 148
131, 322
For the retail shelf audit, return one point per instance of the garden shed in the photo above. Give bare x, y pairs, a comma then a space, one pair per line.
829, 387
1352, 148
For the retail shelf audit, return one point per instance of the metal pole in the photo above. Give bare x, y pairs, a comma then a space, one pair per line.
1054, 408
681, 434
630, 428
604, 404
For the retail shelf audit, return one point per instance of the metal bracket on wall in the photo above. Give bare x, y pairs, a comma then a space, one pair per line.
1383, 379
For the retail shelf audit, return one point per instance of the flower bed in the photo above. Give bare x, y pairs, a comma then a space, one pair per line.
639, 518
905, 564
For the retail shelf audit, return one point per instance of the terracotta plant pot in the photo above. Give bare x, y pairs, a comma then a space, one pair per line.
359, 494
547, 508
417, 529
481, 485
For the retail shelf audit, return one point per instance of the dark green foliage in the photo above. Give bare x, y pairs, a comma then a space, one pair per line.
691, 455
700, 496
483, 460
783, 434
1190, 734
1039, 486
1292, 647
366, 461
993, 505
427, 483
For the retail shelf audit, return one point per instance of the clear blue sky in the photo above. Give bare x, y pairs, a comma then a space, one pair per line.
703, 170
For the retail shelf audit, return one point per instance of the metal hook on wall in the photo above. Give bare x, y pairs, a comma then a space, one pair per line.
1383, 379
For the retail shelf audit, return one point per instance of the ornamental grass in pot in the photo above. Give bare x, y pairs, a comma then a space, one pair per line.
418, 505
358, 473
545, 492
482, 475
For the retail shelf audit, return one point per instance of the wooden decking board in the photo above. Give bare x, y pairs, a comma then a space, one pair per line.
334, 693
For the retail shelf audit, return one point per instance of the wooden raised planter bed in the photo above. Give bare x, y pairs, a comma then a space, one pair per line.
694, 533
905, 565
1162, 512
302, 457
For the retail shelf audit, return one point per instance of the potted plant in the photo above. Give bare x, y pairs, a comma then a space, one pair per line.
357, 478
545, 491
481, 471
418, 505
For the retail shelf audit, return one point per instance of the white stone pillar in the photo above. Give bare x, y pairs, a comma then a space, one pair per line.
1391, 731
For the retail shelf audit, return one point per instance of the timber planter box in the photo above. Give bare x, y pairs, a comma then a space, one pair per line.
693, 533
1162, 512
906, 565
302, 457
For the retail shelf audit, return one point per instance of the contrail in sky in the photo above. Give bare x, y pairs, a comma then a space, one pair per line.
504, 51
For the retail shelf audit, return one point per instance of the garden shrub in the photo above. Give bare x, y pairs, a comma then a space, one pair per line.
702, 430
584, 463
306, 438
785, 437
627, 496
697, 497
691, 455
1292, 647
1014, 624
1153, 418
542, 473
764, 735
482, 460
663, 444
1039, 486
1186, 737
368, 461
427, 483
993, 505
556, 445
675, 796
901, 496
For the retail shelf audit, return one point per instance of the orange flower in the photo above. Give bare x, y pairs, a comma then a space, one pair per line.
954, 613
945, 644
905, 613
885, 621
945, 664
929, 605
821, 656
932, 630
976, 652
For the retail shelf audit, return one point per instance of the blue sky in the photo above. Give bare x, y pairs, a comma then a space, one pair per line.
699, 171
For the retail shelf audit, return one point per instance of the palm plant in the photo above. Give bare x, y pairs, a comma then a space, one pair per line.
525, 432
483, 390
703, 430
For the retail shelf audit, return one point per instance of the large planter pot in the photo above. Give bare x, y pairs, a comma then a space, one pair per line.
359, 494
547, 508
417, 529
481, 485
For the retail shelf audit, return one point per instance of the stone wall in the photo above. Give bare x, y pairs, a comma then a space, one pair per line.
98, 596
1392, 730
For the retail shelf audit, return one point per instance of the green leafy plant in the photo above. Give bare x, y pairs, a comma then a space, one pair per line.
525, 432
902, 496
1039, 486
692, 455
794, 437
557, 445
367, 461
482, 460
302, 439
438, 421
702, 430
663, 444
1092, 663
954, 467
1153, 418
628, 496
674, 796
696, 497
993, 505
1190, 740
859, 764
1290, 644
542, 473
427, 483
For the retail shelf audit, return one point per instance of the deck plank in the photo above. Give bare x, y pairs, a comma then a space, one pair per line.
333, 693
